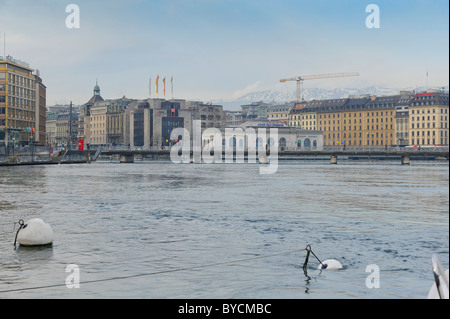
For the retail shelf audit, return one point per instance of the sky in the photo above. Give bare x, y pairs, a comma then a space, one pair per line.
220, 49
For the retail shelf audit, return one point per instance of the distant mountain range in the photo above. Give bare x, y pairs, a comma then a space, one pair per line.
279, 97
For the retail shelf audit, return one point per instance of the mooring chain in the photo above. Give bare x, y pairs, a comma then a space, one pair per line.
22, 225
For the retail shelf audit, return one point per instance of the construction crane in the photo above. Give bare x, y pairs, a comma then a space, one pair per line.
302, 78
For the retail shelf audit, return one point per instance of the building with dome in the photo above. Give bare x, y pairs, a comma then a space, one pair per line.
84, 120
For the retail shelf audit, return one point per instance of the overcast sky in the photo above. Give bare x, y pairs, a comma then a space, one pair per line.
219, 49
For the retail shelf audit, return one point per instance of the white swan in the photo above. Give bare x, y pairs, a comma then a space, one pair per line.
35, 232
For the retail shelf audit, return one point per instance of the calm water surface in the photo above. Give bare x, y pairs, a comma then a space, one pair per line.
162, 230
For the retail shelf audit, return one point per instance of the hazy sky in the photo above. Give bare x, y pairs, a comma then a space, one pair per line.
218, 49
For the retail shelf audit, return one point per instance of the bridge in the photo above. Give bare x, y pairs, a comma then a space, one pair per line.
127, 155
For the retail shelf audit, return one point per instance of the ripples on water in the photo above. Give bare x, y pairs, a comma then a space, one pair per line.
159, 219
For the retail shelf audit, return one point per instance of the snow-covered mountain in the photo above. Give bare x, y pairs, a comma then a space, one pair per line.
278, 96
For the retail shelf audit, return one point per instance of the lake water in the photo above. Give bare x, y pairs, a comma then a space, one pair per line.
163, 230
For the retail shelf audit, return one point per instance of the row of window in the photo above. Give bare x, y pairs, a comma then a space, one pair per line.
428, 141
20, 102
443, 111
21, 92
381, 113
430, 125
20, 80
429, 133
377, 120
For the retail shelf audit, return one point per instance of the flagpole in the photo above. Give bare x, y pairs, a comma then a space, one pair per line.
172, 86
150, 87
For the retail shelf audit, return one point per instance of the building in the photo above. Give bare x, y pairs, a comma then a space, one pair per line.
280, 114
65, 130
84, 120
210, 115
107, 122
255, 110
402, 118
371, 121
304, 116
428, 119
149, 123
329, 119
50, 127
41, 111
22, 103
151, 126
233, 118
289, 138
59, 129
295, 115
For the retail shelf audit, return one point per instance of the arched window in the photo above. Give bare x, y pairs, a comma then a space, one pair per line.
307, 143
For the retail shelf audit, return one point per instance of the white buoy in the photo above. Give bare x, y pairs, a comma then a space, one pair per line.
35, 232
330, 264
263, 159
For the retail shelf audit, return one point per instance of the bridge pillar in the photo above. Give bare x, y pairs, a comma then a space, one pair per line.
333, 159
126, 158
405, 160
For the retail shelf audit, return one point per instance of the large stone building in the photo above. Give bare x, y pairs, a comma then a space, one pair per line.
84, 120
428, 119
371, 121
288, 138
107, 122
22, 103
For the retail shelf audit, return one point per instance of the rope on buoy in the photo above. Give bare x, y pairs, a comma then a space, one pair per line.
22, 225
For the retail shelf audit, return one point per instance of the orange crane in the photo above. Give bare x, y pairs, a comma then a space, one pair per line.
302, 78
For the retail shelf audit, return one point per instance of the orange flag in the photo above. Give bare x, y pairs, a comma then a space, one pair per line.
157, 80
164, 81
